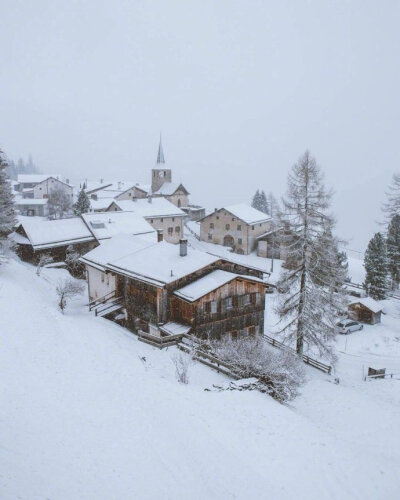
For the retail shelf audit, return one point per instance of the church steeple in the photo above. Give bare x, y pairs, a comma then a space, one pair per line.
160, 155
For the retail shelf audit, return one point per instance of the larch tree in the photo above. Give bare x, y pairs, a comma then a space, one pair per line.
312, 293
393, 250
376, 268
82, 204
7, 213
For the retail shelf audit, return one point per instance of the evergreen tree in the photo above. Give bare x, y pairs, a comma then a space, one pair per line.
7, 214
82, 205
273, 206
256, 200
392, 205
393, 250
263, 203
312, 296
376, 268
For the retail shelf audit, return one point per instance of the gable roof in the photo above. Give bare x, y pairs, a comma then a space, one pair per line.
56, 179
105, 225
203, 286
157, 207
115, 248
145, 188
244, 212
53, 233
161, 264
369, 303
170, 188
35, 178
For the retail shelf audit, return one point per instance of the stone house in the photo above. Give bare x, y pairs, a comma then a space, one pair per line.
235, 226
43, 189
161, 214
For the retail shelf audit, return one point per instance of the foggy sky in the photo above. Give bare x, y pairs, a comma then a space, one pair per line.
238, 89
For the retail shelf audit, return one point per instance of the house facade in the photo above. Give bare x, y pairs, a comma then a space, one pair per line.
235, 226
43, 189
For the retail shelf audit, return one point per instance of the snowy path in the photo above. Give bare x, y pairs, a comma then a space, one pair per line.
83, 417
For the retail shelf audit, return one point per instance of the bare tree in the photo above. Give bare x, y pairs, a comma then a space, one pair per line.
392, 205
43, 261
66, 289
280, 372
59, 203
182, 362
313, 278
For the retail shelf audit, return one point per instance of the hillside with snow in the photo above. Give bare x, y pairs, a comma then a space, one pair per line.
89, 412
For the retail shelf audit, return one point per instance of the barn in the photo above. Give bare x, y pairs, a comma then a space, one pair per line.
366, 310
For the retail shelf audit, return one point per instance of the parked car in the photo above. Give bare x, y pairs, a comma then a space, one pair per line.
348, 326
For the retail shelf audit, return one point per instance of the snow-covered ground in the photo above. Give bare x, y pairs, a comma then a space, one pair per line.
89, 412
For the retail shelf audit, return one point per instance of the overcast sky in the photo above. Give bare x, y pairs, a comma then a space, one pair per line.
239, 90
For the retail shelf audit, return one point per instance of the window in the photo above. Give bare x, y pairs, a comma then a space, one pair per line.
239, 228
240, 241
173, 219
151, 221
102, 277
177, 229
209, 236
233, 219
161, 220
246, 299
234, 335
253, 298
210, 307
108, 279
130, 194
217, 217
252, 331
211, 225
228, 303
252, 227
179, 202
170, 230
227, 227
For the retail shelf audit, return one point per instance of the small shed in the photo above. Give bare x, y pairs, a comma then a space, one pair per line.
366, 310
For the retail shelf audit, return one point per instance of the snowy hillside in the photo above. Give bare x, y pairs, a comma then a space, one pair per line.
89, 412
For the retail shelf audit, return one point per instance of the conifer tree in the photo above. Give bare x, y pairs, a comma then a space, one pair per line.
393, 250
263, 205
256, 200
376, 268
82, 205
7, 214
312, 295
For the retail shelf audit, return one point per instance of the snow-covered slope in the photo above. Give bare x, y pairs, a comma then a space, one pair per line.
84, 416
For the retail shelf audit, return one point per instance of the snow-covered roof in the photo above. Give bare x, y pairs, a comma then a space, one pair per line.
108, 224
115, 248
173, 328
35, 178
169, 188
52, 233
161, 264
94, 185
30, 201
247, 213
101, 204
157, 207
208, 283
369, 303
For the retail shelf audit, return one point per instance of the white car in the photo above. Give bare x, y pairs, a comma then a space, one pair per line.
348, 326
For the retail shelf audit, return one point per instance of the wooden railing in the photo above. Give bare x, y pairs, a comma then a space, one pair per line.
101, 300
308, 360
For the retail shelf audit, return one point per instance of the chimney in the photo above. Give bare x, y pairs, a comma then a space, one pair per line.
160, 235
182, 248
67, 181
215, 209
101, 181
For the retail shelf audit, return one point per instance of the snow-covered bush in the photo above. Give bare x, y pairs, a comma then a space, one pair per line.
66, 289
43, 261
75, 267
182, 362
280, 372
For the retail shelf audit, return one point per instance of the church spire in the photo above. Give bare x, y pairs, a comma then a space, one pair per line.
160, 155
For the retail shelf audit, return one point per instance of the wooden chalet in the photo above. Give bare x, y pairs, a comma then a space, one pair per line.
162, 289
366, 310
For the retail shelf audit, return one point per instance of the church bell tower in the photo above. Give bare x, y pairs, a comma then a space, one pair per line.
160, 174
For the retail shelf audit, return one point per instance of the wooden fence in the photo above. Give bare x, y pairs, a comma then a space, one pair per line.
308, 360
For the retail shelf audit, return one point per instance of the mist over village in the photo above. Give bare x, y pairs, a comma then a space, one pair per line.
199, 250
